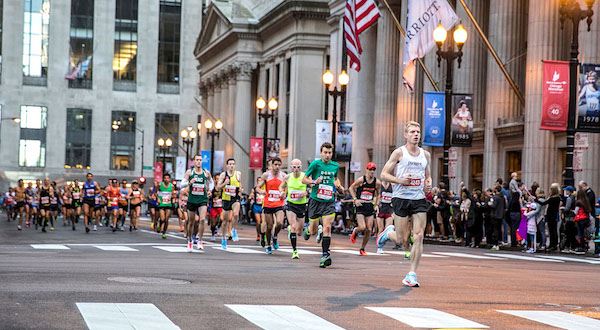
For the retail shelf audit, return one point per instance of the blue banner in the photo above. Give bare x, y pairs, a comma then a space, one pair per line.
206, 160
434, 118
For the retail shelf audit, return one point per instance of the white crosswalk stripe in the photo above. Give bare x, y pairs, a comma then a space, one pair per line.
466, 255
593, 262
519, 257
119, 248
233, 249
300, 251
424, 255
50, 247
355, 252
176, 249
110, 316
557, 319
281, 317
426, 318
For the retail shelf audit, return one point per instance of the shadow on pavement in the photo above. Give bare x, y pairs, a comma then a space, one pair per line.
372, 297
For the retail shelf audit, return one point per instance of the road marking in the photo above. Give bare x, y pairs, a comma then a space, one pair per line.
233, 249
100, 316
426, 255
177, 249
50, 247
426, 318
173, 235
301, 251
593, 262
356, 253
466, 255
518, 257
281, 317
115, 248
557, 319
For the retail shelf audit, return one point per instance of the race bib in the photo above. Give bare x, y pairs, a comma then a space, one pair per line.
90, 192
414, 182
260, 198
165, 197
366, 196
274, 196
218, 203
45, 200
386, 197
230, 190
114, 201
296, 195
198, 189
75, 195
53, 200
97, 200
136, 194
325, 192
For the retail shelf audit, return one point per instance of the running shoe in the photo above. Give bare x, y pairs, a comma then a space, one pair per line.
411, 280
306, 234
325, 261
43, 229
73, 227
152, 225
234, 235
379, 251
95, 228
362, 252
258, 238
495, 248
27, 224
199, 245
597, 239
114, 229
101, 225
268, 250
320, 234
19, 227
51, 228
87, 230
383, 236
189, 246
407, 255
295, 254
263, 240
275, 244
353, 236
412, 241
194, 240
164, 236
224, 243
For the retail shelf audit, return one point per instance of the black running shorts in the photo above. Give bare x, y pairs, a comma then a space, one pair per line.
407, 207
318, 209
298, 209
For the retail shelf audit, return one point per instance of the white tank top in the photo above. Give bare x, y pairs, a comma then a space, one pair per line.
414, 166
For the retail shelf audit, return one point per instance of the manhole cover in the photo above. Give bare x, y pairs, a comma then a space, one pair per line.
148, 280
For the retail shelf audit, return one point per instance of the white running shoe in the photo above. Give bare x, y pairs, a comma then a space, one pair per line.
379, 251
199, 245
95, 228
411, 280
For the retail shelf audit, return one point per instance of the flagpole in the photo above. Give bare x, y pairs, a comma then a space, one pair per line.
492, 51
403, 33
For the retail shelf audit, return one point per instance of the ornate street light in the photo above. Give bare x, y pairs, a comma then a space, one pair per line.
272, 106
343, 80
212, 133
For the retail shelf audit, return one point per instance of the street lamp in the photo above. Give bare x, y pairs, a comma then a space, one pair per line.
449, 55
164, 145
211, 133
188, 135
16, 120
570, 10
343, 80
272, 106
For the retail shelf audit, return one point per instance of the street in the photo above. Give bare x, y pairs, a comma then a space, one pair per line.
105, 280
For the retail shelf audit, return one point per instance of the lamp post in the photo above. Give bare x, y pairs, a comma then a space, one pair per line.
164, 145
188, 135
343, 80
570, 10
116, 124
211, 133
272, 106
449, 55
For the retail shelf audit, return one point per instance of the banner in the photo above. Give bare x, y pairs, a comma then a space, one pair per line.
180, 167
555, 96
256, 153
206, 160
588, 101
433, 119
158, 168
461, 128
343, 141
323, 131
273, 146
219, 161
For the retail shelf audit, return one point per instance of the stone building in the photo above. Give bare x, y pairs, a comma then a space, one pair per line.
73, 68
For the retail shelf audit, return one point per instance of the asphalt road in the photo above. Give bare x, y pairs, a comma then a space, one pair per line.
50, 287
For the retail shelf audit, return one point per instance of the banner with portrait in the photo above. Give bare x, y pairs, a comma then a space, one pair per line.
588, 99
273, 146
434, 119
256, 153
343, 141
323, 134
555, 96
461, 125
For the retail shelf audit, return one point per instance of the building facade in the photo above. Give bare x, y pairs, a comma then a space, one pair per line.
89, 79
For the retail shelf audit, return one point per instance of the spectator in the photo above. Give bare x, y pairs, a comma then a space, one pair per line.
514, 210
569, 230
541, 221
582, 220
552, 217
532, 213
498, 209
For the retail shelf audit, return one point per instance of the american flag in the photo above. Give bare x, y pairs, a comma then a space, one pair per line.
358, 16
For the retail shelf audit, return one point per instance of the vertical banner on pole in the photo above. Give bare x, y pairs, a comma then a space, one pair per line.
256, 153
219, 161
158, 168
180, 167
588, 105
462, 120
434, 118
343, 141
273, 146
555, 96
206, 160
323, 134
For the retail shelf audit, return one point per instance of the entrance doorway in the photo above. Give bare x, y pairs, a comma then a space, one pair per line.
513, 163
476, 177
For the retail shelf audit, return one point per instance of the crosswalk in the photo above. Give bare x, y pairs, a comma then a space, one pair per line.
99, 316
313, 250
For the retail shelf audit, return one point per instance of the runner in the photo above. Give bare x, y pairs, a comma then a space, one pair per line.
366, 188
100, 208
175, 205
113, 195
63, 205
20, 199
165, 203
45, 194
197, 182
273, 205
384, 214
91, 189
67, 198
257, 195
76, 202
35, 203
29, 191
216, 209
54, 201
322, 175
123, 205
182, 210
153, 206
230, 184
296, 203
135, 197
408, 169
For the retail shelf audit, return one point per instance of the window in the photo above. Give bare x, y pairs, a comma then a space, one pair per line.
125, 56
168, 46
122, 141
166, 125
288, 82
35, 41
79, 138
32, 143
81, 44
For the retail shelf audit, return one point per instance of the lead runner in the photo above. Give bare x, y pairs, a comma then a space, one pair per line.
408, 169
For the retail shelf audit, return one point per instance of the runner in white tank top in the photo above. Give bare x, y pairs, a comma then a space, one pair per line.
408, 169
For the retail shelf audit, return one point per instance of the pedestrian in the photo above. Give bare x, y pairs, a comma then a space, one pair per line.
582, 220
532, 213
569, 230
541, 221
498, 208
514, 210
552, 216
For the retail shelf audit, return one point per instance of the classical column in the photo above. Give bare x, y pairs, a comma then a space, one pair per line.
386, 80
508, 34
243, 118
210, 108
229, 124
543, 42
203, 90
224, 140
217, 113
